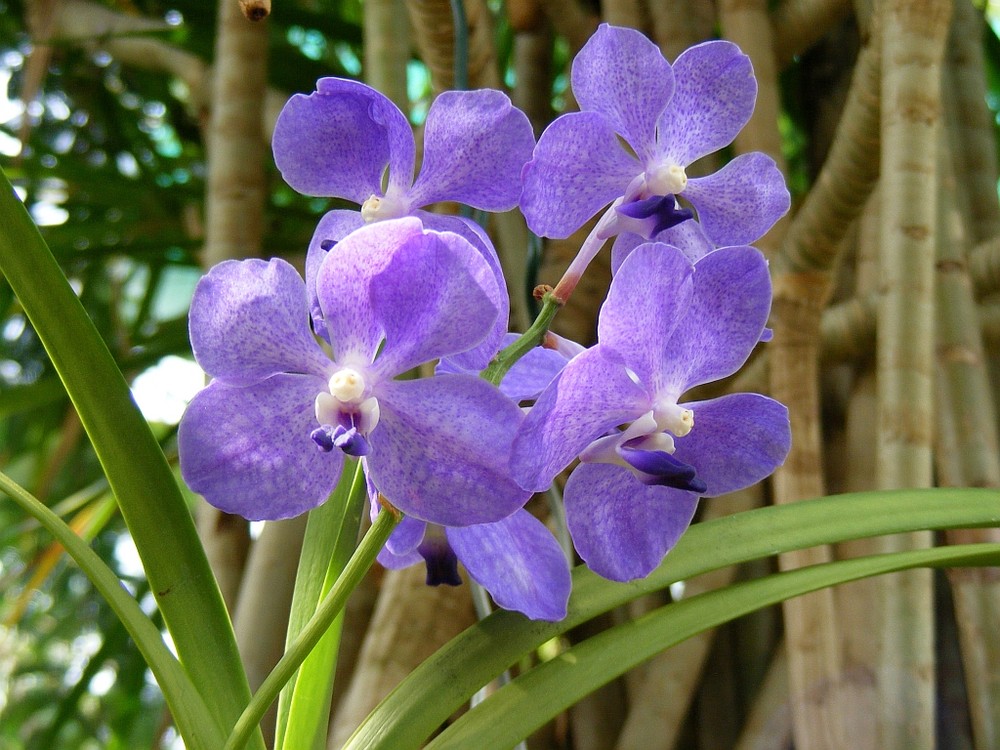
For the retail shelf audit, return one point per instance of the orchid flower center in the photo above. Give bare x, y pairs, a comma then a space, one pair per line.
381, 207
666, 179
346, 416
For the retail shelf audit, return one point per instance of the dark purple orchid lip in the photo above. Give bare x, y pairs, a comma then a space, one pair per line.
442, 564
661, 468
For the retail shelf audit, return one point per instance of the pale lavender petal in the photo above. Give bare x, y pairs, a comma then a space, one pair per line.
623, 75
332, 228
737, 440
578, 168
475, 145
621, 527
713, 99
740, 202
526, 378
400, 550
342, 282
723, 321
390, 560
519, 562
480, 355
592, 395
432, 299
688, 237
646, 301
248, 450
249, 319
441, 450
338, 140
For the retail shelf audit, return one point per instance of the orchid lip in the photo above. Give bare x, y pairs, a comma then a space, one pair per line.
441, 562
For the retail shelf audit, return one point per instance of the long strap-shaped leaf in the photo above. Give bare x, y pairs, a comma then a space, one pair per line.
186, 705
550, 688
150, 501
443, 683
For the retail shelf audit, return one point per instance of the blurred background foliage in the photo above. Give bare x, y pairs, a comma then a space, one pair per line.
110, 159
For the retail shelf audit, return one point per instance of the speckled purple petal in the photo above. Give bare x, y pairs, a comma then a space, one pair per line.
623, 75
475, 145
688, 237
646, 301
741, 201
578, 168
713, 99
342, 282
441, 451
338, 140
519, 562
722, 322
248, 450
592, 395
621, 527
432, 299
737, 440
249, 320
480, 355
332, 228
400, 550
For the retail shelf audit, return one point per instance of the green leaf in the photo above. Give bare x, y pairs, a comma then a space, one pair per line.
150, 500
443, 683
189, 710
330, 538
543, 692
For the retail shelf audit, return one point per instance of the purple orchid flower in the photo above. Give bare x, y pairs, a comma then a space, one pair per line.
264, 439
669, 116
517, 560
667, 326
347, 140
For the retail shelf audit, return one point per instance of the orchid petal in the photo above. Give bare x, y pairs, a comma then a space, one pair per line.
332, 228
519, 562
737, 440
621, 527
622, 75
578, 167
475, 145
645, 303
713, 99
248, 450
722, 322
338, 140
249, 320
592, 395
740, 202
441, 450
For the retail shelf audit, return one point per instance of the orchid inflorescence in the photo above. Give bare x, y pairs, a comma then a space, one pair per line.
305, 371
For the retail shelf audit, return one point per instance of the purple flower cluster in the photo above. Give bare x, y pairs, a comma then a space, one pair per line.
305, 371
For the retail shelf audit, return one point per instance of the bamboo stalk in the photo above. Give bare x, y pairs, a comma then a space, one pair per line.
913, 35
799, 24
769, 725
678, 24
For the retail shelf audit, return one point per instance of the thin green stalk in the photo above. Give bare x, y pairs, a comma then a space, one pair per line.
199, 730
525, 342
150, 500
362, 559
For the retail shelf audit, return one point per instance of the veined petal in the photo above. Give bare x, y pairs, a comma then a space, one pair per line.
593, 394
722, 322
441, 451
623, 75
578, 167
400, 550
646, 301
621, 527
740, 202
475, 145
713, 99
434, 298
342, 282
737, 440
249, 320
688, 237
519, 562
338, 140
248, 450
332, 228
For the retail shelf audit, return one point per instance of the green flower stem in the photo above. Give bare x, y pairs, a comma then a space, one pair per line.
525, 342
331, 536
150, 500
362, 559
196, 725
